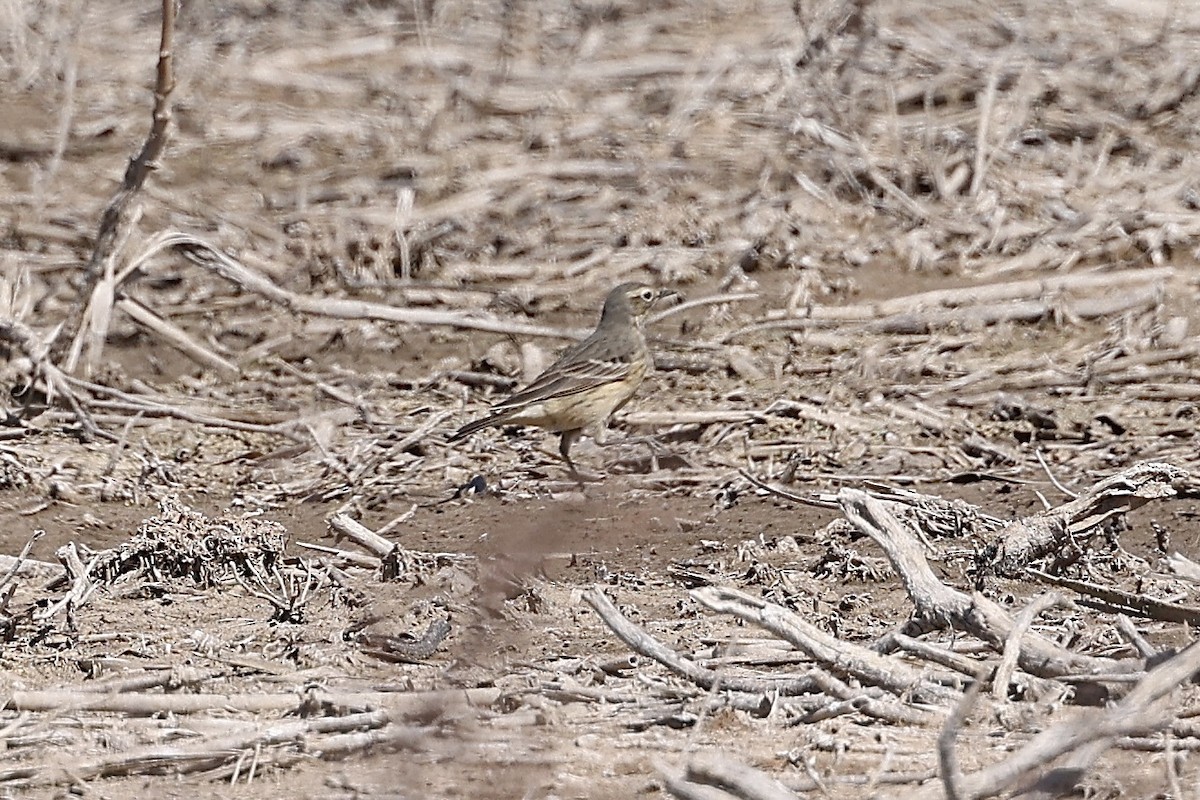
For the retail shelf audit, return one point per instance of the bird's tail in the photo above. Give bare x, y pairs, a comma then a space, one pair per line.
475, 425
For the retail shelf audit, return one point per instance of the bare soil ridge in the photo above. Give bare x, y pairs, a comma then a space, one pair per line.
924, 423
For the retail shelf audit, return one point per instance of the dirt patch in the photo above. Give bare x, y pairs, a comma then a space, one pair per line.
935, 248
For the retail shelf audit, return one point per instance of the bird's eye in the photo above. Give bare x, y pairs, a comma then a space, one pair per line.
647, 295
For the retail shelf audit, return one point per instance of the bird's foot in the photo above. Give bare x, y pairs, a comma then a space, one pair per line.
650, 462
582, 478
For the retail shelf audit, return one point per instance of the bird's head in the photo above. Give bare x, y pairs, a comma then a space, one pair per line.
633, 300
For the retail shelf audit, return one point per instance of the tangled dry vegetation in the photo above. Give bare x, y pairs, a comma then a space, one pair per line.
937, 243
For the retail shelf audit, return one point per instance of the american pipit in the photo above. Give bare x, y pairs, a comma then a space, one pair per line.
590, 381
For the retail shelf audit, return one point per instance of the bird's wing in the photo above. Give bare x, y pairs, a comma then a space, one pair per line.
567, 378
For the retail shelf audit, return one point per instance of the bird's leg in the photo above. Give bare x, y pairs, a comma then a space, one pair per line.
564, 448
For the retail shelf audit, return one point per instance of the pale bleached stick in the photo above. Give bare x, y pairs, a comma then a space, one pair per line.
689, 417
646, 645
1132, 635
809, 411
1111, 598
978, 296
868, 701
740, 780
202, 754
157, 703
28, 567
1023, 541
922, 321
136, 404
1086, 735
423, 430
948, 768
82, 586
171, 679
31, 345
121, 215
845, 658
176, 337
369, 540
332, 391
346, 556
981, 134
939, 604
1012, 647
21, 565
1183, 567
699, 302
204, 254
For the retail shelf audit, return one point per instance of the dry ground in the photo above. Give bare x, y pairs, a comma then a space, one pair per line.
814, 175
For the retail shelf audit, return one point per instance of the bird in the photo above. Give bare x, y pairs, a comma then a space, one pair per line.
590, 381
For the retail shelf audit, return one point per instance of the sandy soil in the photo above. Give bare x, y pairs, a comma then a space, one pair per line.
513, 161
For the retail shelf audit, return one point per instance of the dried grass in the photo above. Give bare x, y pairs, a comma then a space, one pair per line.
923, 242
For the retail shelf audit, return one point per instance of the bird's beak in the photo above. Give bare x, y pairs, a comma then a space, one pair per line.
666, 294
